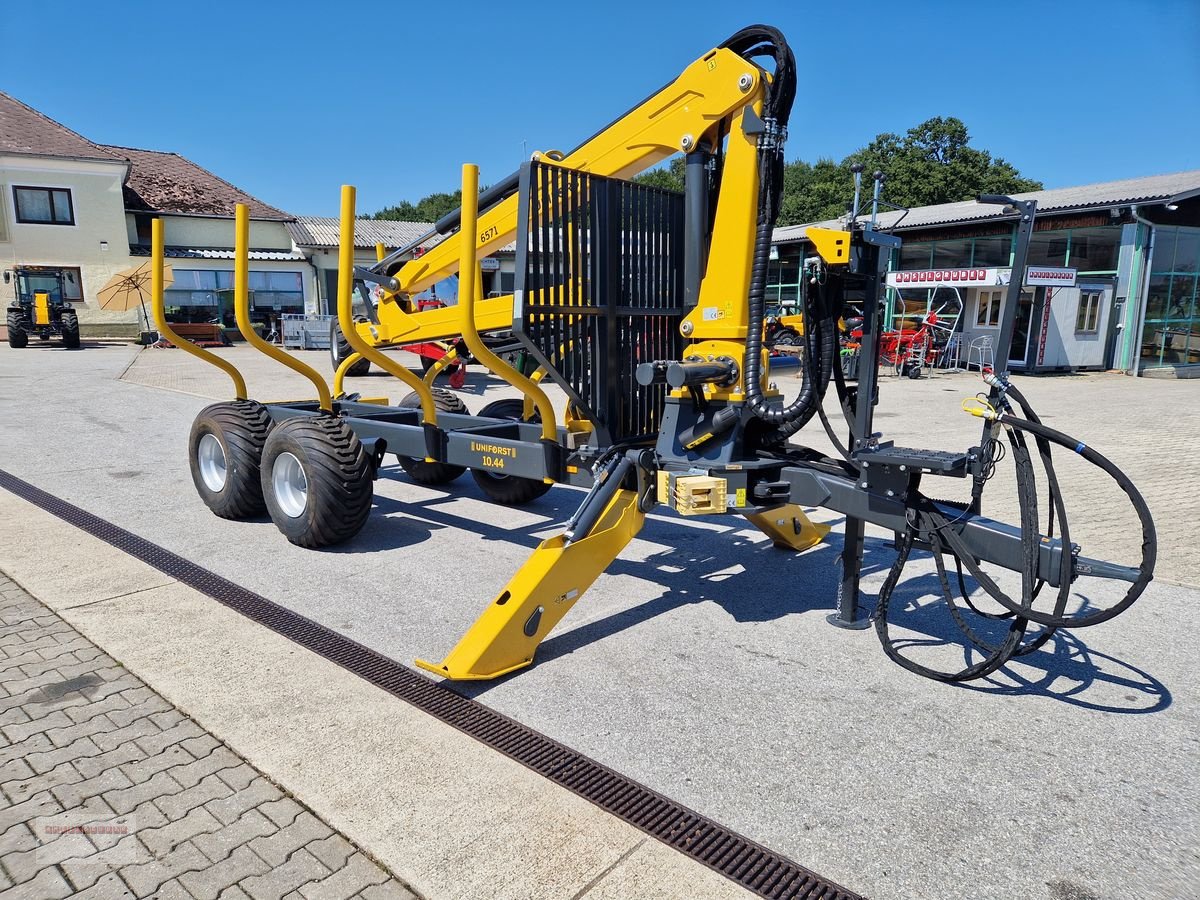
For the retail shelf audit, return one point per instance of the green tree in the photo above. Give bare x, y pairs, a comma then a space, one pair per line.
931, 163
670, 176
427, 209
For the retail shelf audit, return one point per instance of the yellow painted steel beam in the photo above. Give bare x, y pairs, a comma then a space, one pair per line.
506, 636
399, 327
469, 288
789, 527
345, 310
441, 365
833, 246
241, 309
160, 315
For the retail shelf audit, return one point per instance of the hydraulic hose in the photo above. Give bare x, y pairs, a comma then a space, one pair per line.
761, 40
1149, 536
927, 520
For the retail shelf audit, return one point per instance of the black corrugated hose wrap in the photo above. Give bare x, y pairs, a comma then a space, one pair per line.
762, 40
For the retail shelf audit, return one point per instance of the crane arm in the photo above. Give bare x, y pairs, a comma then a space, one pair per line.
677, 118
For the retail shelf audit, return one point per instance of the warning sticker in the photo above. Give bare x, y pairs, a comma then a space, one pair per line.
740, 497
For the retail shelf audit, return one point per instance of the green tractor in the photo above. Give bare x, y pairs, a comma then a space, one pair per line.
41, 308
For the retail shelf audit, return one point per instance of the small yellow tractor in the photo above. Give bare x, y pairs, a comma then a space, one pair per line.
40, 307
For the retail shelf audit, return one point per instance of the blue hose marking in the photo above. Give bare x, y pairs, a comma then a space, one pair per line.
1080, 447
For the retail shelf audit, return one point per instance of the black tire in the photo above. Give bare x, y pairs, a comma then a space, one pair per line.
70, 330
340, 349
436, 472
17, 338
335, 471
508, 490
240, 429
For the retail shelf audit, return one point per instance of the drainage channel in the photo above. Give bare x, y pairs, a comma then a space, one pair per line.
738, 858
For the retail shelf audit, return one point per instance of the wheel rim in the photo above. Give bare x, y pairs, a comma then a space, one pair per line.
210, 455
290, 485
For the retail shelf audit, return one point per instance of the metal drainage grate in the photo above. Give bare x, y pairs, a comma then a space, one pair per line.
741, 860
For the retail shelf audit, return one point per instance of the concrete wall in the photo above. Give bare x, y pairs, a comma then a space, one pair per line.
99, 210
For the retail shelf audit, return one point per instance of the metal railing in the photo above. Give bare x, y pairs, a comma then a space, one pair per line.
305, 331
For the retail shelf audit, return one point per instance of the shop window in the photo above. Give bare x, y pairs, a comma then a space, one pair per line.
1095, 249
196, 294
987, 314
915, 256
1187, 250
43, 206
1156, 297
1048, 248
1180, 304
951, 254
992, 251
1087, 317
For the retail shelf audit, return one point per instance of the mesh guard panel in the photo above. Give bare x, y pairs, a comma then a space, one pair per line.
599, 290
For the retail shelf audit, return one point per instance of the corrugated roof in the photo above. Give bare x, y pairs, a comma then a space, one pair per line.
319, 231
26, 131
168, 183
1089, 196
214, 253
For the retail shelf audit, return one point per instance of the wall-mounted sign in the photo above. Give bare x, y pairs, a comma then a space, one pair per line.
1050, 276
1035, 276
970, 277
490, 264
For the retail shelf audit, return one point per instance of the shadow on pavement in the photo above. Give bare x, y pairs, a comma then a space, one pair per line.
1064, 669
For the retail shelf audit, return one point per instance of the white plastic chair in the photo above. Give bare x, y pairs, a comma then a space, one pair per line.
981, 348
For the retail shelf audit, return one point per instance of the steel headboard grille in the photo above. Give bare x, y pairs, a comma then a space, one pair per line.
599, 289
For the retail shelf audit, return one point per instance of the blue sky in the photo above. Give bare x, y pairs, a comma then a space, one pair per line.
288, 102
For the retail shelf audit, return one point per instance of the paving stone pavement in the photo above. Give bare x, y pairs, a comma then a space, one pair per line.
108, 791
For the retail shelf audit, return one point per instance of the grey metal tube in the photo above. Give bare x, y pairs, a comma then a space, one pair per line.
686, 374
695, 227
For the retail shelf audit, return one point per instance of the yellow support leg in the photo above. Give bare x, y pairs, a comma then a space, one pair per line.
507, 635
789, 527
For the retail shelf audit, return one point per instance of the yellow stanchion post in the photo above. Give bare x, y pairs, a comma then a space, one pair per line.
241, 309
160, 314
346, 315
470, 279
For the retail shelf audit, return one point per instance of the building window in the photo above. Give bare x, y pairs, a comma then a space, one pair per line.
1095, 249
43, 206
1087, 317
206, 295
1171, 336
988, 311
1048, 248
992, 251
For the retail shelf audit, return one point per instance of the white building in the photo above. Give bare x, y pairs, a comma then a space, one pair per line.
71, 206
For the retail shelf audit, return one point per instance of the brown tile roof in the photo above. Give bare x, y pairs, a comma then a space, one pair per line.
168, 183
25, 130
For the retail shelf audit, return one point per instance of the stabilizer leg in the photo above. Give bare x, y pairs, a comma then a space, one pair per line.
789, 527
507, 635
